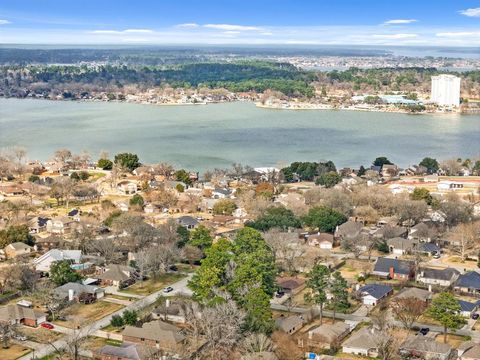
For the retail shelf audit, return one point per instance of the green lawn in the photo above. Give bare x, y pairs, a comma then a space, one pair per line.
152, 285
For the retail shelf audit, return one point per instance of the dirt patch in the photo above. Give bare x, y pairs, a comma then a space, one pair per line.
13, 352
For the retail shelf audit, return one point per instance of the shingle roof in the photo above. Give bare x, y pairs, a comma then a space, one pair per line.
469, 280
116, 273
439, 274
77, 288
427, 247
365, 338
467, 306
16, 312
349, 229
425, 344
157, 331
413, 292
127, 351
383, 265
378, 291
472, 353
187, 221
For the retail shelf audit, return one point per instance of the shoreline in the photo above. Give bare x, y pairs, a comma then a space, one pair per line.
295, 106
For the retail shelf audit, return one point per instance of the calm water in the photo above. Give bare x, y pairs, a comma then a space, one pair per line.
200, 137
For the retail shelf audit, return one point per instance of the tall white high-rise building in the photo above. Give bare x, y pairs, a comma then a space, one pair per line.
446, 90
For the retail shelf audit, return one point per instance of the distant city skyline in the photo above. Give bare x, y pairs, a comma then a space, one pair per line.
280, 22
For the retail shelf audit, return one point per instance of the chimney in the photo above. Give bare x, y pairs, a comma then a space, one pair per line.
391, 272
167, 302
430, 288
70, 294
310, 335
357, 287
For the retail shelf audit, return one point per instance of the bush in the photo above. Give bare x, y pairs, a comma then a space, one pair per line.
137, 200
117, 321
130, 317
105, 164
224, 207
34, 178
329, 179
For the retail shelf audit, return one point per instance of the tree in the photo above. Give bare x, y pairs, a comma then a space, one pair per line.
16, 233
446, 310
382, 160
422, 194
256, 304
338, 288
183, 176
130, 317
7, 331
408, 310
224, 207
456, 210
105, 164
329, 179
137, 200
318, 282
431, 164
201, 238
63, 155
117, 321
62, 273
466, 239
184, 236
323, 218
275, 217
127, 160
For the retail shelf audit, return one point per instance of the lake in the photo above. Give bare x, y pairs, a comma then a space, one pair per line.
216, 135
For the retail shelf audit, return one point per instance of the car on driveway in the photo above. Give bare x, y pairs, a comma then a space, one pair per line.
47, 326
424, 331
20, 337
279, 294
168, 289
475, 316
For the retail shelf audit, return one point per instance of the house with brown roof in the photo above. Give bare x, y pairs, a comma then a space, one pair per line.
156, 333
291, 285
364, 342
469, 350
16, 314
119, 276
326, 335
127, 187
289, 324
125, 352
349, 230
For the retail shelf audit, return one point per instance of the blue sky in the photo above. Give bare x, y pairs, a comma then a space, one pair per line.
361, 22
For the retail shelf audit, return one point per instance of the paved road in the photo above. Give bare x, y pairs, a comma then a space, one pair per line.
179, 288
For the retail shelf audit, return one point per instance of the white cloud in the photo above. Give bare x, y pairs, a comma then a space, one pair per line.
138, 31
229, 27
188, 25
399, 21
266, 33
231, 32
473, 12
127, 31
4, 22
457, 34
395, 36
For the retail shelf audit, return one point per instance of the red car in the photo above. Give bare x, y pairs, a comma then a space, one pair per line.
47, 326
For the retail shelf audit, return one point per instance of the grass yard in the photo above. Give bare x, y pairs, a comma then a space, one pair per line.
152, 285
88, 313
13, 352
453, 340
93, 342
39, 334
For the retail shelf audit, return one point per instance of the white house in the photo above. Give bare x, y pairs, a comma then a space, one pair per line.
44, 262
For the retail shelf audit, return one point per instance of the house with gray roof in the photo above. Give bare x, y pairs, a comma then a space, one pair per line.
289, 324
349, 230
188, 222
125, 351
372, 293
16, 314
468, 282
400, 246
440, 277
325, 335
364, 342
467, 308
119, 276
72, 291
416, 293
428, 249
393, 269
424, 347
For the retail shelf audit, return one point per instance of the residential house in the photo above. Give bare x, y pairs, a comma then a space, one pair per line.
119, 276
49, 243
151, 209
289, 324
415, 293
16, 314
423, 347
73, 291
37, 225
400, 246
394, 269
469, 350
389, 170
44, 262
373, 293
219, 193
125, 351
17, 249
441, 277
389, 232
428, 249
169, 312
349, 230
364, 342
327, 335
127, 187
468, 282
59, 225
156, 333
321, 240
11, 190
291, 285
420, 232
467, 308
188, 222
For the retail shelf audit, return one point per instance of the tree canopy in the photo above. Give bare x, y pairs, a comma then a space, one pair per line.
127, 160
323, 218
275, 217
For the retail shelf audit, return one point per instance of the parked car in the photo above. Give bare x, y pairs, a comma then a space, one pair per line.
280, 294
47, 326
475, 316
424, 331
436, 255
168, 289
20, 337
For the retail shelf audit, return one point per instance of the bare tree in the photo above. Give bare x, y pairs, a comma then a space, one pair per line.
257, 343
7, 331
408, 310
286, 252
62, 155
466, 239
157, 259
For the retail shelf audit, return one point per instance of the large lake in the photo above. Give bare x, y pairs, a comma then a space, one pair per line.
216, 135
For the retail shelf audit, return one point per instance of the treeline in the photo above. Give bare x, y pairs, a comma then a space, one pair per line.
237, 77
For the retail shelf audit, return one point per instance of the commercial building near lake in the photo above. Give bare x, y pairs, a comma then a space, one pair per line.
446, 90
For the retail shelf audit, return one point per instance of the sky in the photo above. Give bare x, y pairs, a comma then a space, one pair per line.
252, 22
